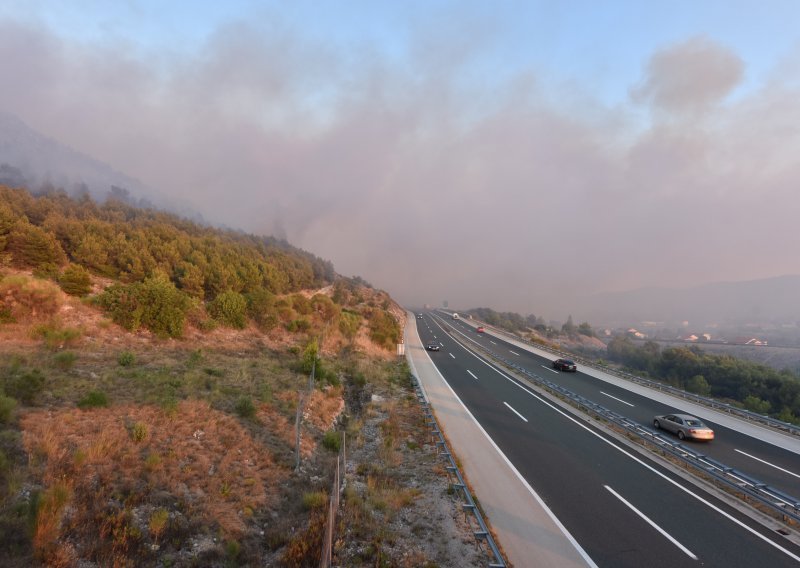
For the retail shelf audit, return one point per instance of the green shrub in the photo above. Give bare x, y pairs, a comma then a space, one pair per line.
349, 324
310, 358
47, 271
301, 324
5, 315
7, 405
384, 329
55, 336
75, 280
30, 245
195, 357
229, 308
332, 440
154, 303
126, 359
301, 304
138, 432
261, 308
245, 408
25, 387
95, 399
358, 380
325, 307
65, 360
232, 551
314, 500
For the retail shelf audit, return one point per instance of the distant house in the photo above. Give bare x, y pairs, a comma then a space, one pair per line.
706, 337
690, 337
748, 341
636, 333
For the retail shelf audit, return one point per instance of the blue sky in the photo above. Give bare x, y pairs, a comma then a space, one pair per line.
598, 46
354, 128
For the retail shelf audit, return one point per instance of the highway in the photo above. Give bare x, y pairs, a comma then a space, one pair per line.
622, 509
776, 466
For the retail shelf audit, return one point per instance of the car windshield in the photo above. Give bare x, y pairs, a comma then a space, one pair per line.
694, 423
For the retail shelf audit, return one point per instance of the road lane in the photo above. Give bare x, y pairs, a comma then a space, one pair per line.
525, 526
570, 469
727, 440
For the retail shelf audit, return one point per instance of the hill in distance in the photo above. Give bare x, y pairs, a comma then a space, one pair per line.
30, 159
765, 300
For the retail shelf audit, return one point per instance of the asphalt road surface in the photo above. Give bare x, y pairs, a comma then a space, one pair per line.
619, 508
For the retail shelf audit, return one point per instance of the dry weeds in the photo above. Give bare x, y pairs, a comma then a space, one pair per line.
204, 459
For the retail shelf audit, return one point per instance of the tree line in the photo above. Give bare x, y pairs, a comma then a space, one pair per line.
756, 387
167, 271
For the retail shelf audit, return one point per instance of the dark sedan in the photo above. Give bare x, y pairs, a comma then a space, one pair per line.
565, 365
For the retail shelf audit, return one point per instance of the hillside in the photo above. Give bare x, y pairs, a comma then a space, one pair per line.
30, 159
152, 371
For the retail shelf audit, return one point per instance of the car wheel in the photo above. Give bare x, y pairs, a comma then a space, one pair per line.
681, 435
656, 424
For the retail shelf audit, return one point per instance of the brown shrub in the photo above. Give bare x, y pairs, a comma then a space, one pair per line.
203, 458
23, 298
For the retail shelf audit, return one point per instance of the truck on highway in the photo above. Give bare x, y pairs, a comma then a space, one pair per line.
455, 316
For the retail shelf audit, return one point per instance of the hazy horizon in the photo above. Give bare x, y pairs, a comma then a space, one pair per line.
513, 157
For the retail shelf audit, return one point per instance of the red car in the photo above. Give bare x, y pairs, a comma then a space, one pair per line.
480, 329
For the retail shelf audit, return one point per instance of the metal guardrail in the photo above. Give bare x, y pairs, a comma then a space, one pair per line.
699, 399
469, 506
787, 506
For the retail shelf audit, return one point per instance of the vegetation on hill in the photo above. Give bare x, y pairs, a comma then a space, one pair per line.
516, 323
120, 448
757, 387
166, 272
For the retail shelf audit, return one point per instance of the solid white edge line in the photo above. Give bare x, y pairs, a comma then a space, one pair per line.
514, 411
766, 462
549, 369
637, 460
650, 522
472, 375
615, 398
516, 472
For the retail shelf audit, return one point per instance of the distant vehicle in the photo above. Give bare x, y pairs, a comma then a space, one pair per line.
480, 329
432, 346
565, 365
419, 316
455, 316
684, 425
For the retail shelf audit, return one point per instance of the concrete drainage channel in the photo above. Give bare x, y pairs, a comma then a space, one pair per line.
786, 507
469, 505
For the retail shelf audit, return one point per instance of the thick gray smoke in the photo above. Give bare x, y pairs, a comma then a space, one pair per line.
429, 183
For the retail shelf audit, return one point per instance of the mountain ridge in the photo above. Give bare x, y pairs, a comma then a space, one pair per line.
774, 299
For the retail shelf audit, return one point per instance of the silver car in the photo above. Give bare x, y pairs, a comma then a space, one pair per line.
684, 425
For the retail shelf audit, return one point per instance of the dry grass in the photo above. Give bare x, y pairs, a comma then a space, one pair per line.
205, 459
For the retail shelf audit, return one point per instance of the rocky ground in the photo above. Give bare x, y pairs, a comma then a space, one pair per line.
431, 529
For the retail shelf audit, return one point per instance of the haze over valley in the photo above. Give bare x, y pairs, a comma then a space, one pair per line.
503, 169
